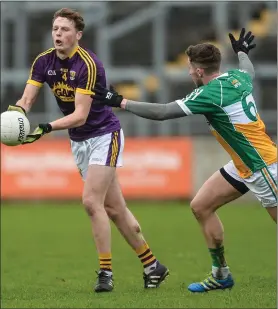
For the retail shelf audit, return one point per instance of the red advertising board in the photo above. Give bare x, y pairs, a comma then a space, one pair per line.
153, 168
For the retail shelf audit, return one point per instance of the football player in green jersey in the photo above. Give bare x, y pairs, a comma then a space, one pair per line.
226, 100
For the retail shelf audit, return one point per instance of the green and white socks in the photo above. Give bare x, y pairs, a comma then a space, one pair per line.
220, 270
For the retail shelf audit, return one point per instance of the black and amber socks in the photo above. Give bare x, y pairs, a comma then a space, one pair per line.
147, 258
105, 262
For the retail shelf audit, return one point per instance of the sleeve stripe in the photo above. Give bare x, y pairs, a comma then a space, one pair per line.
34, 83
184, 107
40, 55
90, 61
83, 91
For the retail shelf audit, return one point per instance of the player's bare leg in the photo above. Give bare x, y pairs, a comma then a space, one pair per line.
96, 185
215, 192
154, 272
122, 217
272, 212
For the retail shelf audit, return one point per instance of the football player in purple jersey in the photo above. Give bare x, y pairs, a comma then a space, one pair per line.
97, 141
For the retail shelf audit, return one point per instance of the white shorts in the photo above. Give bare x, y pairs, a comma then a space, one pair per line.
262, 183
104, 150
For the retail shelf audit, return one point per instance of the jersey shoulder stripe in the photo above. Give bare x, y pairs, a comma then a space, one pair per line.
48, 51
91, 66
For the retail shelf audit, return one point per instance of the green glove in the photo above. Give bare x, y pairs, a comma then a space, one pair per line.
35, 135
42, 129
17, 108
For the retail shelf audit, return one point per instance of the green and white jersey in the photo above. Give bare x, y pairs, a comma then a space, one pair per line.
229, 106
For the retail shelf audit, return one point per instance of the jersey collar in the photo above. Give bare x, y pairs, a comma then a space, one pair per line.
73, 52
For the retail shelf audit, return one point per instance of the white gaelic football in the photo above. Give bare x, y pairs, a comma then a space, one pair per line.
14, 128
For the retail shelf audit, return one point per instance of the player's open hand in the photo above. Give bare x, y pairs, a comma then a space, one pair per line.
42, 129
243, 43
107, 96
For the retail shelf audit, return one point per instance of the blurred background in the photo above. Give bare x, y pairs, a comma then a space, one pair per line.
142, 47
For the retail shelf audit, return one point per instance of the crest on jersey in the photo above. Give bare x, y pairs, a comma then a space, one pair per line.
236, 83
72, 75
64, 92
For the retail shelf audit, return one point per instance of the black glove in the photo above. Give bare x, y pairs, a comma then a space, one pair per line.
107, 97
243, 43
46, 127
42, 129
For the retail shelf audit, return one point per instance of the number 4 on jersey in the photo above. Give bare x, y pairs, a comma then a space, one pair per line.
64, 77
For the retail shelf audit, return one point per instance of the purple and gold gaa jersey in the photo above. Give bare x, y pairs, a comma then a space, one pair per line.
77, 73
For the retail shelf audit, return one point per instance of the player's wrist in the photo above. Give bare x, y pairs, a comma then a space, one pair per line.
123, 103
46, 127
242, 52
22, 108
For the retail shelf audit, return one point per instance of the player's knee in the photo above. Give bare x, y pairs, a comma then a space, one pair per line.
197, 209
90, 207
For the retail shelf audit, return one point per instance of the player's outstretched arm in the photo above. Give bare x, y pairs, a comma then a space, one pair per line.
28, 98
246, 64
78, 117
153, 111
241, 47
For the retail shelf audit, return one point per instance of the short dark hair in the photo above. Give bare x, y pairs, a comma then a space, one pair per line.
205, 56
71, 15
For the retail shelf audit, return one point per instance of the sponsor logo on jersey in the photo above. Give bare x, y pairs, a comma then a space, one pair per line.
51, 72
64, 92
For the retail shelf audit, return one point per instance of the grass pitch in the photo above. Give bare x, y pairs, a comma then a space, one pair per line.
48, 259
